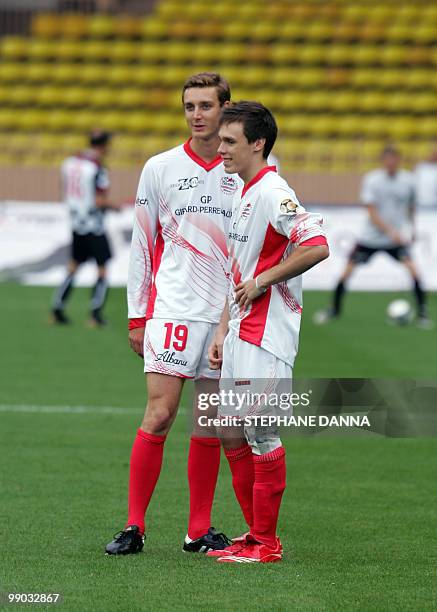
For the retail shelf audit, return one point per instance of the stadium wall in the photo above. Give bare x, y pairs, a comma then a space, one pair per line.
42, 184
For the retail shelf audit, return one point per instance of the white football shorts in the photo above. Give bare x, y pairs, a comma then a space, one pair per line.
178, 348
249, 369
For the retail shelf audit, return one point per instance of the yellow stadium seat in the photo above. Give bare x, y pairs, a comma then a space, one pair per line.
101, 26
343, 101
372, 102
345, 31
417, 79
231, 52
354, 12
73, 25
295, 124
65, 73
236, 30
8, 119
400, 32
389, 79
402, 101
153, 29
100, 97
139, 122
424, 102
207, 30
338, 54
10, 72
145, 75
371, 32
402, 127
76, 96
68, 50
381, 13
317, 101
283, 53
263, 31
173, 75
37, 73
323, 125
157, 98
254, 76
59, 121
375, 127
85, 120
407, 13
311, 54
182, 29
337, 77
94, 50
167, 10
318, 30
425, 33
349, 125
41, 50
311, 77
290, 101
95, 73
198, 53
127, 26
249, 11
112, 120
392, 55
45, 25
257, 53
363, 78
23, 95
131, 98
427, 128
13, 47
33, 120
4, 94
290, 30
362, 55
49, 95
150, 52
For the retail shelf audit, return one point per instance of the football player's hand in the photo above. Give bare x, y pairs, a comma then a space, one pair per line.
397, 237
246, 292
215, 350
136, 340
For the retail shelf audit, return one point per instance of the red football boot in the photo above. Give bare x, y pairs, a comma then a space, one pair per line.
254, 552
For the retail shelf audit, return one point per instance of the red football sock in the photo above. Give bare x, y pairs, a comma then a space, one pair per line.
203, 468
145, 466
243, 478
267, 494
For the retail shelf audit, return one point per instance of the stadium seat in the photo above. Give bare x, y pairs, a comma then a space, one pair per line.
101, 26
94, 51
22, 95
68, 50
33, 120
96, 73
131, 98
73, 25
75, 97
64, 73
13, 47
41, 50
371, 102
127, 26
150, 52
49, 95
45, 25
343, 101
284, 53
153, 29
37, 73
84, 120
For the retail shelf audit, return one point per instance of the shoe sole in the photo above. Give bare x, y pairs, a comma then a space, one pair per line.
273, 558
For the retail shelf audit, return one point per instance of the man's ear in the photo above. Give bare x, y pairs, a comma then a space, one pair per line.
259, 144
227, 103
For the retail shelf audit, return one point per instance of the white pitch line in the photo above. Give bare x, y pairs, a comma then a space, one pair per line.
32, 408
66, 409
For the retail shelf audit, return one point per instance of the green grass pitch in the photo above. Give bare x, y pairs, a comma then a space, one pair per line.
359, 515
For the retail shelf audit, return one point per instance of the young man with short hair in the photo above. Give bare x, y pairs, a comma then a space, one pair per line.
273, 240
177, 288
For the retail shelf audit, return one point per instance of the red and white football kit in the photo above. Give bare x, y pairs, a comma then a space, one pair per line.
178, 278
268, 222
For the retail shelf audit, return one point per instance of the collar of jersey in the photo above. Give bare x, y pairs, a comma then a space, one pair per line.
205, 165
257, 178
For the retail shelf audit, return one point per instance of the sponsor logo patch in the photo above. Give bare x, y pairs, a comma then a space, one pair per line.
288, 206
228, 185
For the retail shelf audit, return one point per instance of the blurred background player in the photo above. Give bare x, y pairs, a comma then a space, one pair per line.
177, 287
85, 185
389, 194
272, 243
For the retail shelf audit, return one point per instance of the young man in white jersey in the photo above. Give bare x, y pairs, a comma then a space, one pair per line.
85, 185
389, 195
273, 240
177, 287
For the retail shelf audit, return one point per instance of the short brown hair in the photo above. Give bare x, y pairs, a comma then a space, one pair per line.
257, 120
209, 79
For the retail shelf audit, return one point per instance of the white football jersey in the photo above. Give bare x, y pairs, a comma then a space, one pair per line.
426, 184
82, 177
392, 196
267, 224
179, 257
